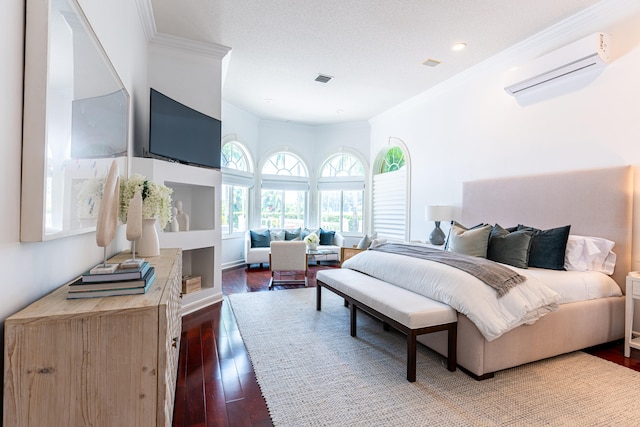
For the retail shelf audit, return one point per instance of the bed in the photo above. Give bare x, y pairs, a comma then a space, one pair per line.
595, 203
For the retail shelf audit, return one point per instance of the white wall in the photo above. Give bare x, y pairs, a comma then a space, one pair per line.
469, 128
31, 270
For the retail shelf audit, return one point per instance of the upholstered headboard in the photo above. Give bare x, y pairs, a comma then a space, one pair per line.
596, 202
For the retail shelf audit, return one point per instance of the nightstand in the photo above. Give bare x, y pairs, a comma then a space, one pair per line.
346, 253
631, 337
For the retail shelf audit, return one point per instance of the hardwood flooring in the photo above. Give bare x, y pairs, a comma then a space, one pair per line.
216, 385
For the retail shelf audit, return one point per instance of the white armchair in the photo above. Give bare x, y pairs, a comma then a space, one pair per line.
287, 259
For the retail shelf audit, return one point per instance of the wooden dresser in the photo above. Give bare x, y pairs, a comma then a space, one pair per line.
98, 361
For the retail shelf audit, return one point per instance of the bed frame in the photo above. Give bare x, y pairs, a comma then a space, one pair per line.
595, 203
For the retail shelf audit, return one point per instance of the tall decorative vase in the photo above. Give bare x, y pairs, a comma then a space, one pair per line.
148, 244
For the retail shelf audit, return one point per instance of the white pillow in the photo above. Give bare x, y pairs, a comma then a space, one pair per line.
377, 242
585, 253
276, 235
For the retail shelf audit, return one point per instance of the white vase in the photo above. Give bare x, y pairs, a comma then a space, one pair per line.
312, 246
148, 244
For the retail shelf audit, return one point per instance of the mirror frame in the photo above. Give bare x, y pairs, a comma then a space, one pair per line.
48, 194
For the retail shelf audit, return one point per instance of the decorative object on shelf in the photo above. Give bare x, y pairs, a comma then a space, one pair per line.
108, 217
182, 217
312, 241
437, 213
149, 243
134, 230
173, 225
156, 199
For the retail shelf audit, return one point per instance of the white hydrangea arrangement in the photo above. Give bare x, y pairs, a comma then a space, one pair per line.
312, 239
156, 198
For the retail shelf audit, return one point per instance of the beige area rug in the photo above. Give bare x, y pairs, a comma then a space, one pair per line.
313, 373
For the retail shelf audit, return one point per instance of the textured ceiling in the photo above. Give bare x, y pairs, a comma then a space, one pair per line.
374, 49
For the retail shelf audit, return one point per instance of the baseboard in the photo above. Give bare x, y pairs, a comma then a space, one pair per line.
233, 264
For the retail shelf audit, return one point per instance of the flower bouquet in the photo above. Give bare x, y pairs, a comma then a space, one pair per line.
312, 240
156, 199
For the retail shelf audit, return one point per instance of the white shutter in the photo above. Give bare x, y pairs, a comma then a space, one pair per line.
390, 205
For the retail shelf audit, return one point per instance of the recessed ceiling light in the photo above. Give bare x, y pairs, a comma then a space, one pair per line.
458, 46
431, 62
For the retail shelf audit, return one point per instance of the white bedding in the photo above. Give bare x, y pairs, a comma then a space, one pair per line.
574, 285
493, 316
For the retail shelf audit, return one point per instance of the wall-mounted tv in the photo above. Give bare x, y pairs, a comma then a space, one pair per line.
182, 134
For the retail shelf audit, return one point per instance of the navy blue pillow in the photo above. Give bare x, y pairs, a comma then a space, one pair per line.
326, 237
260, 240
548, 247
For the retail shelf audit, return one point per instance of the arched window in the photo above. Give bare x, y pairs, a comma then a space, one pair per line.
237, 179
341, 189
285, 184
391, 192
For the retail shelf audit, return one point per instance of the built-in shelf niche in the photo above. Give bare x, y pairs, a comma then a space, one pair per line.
198, 202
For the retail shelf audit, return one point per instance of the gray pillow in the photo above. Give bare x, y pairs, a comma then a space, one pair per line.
509, 248
292, 235
474, 241
365, 242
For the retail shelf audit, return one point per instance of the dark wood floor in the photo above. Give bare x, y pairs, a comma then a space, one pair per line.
216, 385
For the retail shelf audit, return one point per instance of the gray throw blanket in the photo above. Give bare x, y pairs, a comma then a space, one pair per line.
497, 276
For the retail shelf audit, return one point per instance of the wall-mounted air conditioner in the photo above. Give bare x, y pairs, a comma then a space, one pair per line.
585, 54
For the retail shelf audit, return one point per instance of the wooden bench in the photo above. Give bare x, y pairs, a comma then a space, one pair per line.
404, 310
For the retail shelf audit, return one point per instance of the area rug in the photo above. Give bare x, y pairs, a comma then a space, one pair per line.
313, 373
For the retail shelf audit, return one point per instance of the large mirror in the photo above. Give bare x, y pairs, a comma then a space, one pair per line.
76, 122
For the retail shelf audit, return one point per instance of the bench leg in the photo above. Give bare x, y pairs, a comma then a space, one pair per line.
411, 356
318, 297
452, 350
353, 313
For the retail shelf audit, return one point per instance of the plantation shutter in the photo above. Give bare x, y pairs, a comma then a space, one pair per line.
390, 205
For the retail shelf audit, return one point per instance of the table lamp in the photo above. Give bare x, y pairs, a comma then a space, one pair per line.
437, 213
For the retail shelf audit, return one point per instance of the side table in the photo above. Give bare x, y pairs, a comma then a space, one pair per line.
631, 337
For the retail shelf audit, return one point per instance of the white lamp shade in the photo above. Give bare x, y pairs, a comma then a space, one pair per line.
438, 213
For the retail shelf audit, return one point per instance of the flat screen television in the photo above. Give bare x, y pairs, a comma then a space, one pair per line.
182, 134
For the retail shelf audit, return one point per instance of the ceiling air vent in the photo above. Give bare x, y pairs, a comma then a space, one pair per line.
323, 78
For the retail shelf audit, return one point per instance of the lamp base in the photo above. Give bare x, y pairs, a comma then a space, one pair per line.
437, 235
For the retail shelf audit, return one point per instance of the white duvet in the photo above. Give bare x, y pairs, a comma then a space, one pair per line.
493, 316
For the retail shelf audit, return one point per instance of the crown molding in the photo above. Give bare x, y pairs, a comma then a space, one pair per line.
147, 19
194, 46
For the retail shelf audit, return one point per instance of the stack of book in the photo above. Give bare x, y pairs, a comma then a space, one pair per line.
123, 281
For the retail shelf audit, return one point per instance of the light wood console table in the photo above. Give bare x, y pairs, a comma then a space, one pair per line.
108, 361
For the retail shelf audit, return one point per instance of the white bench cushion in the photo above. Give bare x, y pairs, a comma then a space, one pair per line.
404, 306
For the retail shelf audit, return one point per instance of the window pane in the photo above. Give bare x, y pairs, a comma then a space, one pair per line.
271, 209
330, 210
240, 208
225, 209
352, 211
294, 209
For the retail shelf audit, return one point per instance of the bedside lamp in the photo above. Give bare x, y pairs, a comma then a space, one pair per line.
437, 213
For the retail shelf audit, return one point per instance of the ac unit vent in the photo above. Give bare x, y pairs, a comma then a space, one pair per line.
589, 53
323, 78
